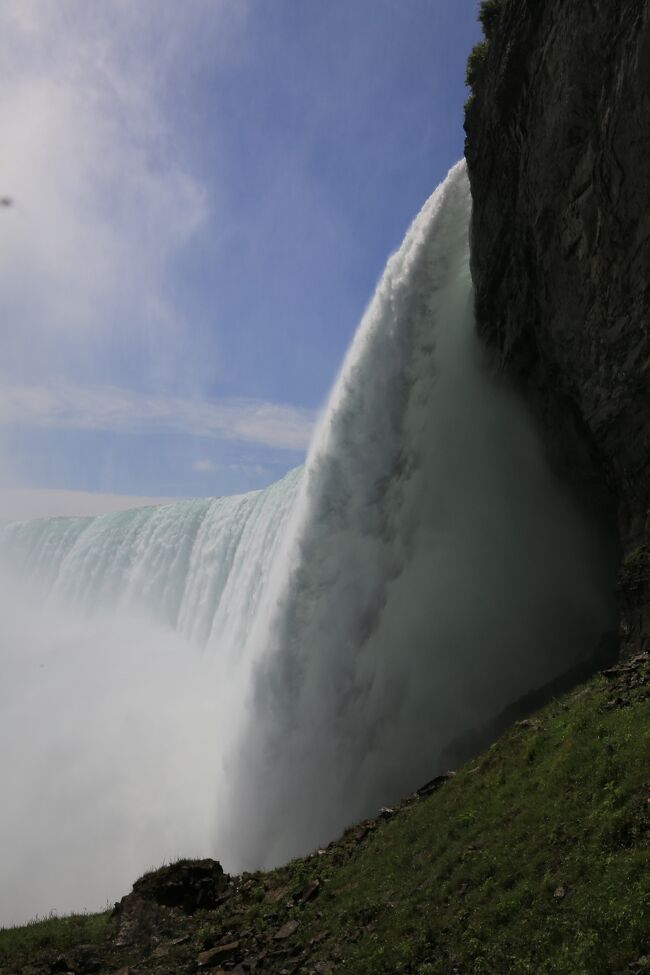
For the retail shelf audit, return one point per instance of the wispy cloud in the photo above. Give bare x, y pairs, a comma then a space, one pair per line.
65, 406
105, 198
21, 504
204, 466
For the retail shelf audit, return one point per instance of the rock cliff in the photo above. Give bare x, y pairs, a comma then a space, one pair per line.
558, 150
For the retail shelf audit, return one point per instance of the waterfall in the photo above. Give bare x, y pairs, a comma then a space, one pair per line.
436, 570
325, 639
198, 566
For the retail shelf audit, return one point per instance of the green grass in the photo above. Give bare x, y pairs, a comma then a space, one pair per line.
533, 860
53, 935
474, 877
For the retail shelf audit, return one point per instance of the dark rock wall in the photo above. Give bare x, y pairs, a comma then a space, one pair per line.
558, 152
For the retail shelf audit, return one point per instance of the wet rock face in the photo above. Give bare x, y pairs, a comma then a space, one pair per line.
558, 143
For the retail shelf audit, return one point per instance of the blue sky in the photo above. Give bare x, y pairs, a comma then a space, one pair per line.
204, 197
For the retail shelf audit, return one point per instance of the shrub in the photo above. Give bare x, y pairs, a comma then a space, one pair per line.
476, 60
489, 14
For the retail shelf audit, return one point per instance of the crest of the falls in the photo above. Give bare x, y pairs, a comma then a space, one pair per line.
197, 566
422, 571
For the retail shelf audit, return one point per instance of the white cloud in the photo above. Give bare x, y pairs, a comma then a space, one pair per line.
65, 406
104, 197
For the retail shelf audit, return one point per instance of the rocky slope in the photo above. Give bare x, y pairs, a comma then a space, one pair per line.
558, 142
532, 860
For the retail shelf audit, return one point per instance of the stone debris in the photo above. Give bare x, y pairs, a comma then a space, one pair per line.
287, 930
387, 812
361, 832
429, 787
528, 723
310, 891
212, 957
278, 894
635, 663
630, 679
61, 964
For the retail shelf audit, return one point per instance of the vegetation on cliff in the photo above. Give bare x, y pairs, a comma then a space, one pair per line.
489, 15
532, 859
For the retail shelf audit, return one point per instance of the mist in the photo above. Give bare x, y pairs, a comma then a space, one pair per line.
125, 668
243, 677
107, 730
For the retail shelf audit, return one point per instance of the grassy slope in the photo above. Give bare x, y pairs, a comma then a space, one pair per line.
533, 859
